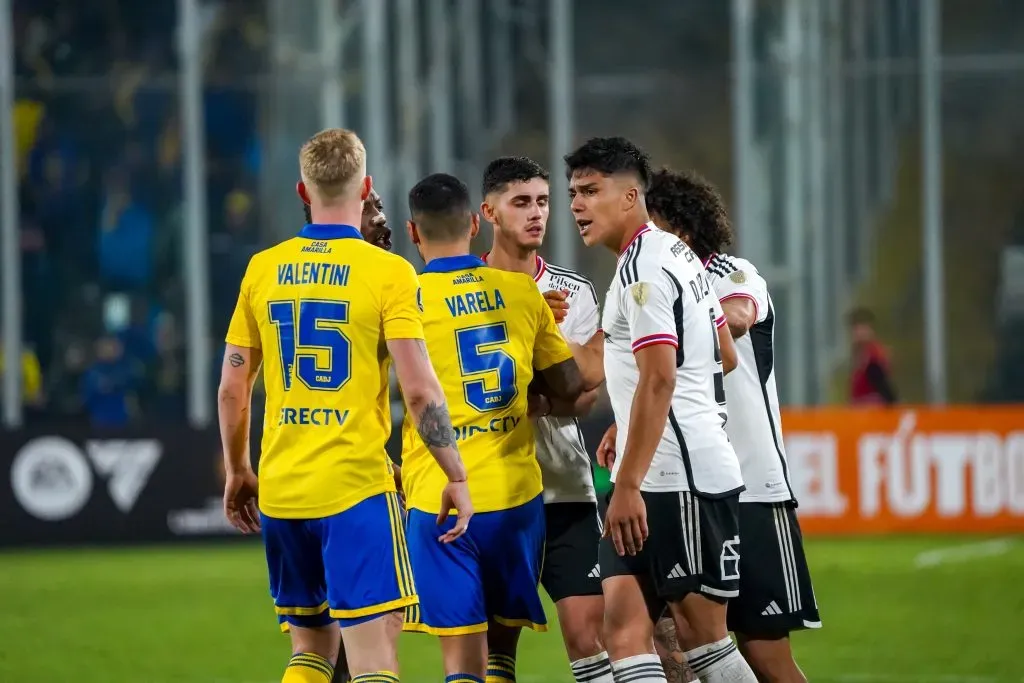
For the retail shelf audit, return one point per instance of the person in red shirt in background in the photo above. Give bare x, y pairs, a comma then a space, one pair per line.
870, 377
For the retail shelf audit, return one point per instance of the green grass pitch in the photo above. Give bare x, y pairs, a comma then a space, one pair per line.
201, 614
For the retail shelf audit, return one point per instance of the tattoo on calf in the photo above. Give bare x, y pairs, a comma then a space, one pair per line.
236, 360
672, 659
435, 426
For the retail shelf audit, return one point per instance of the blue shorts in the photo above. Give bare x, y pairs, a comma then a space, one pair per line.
490, 573
350, 567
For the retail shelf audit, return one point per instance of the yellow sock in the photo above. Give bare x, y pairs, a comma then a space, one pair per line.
376, 677
501, 668
306, 667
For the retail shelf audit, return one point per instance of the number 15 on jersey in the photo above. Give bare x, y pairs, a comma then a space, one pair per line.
306, 327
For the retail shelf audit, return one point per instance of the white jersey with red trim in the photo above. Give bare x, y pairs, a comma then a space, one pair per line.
661, 294
755, 423
561, 451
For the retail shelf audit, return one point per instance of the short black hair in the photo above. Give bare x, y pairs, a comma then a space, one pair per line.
439, 205
692, 207
307, 212
610, 156
504, 171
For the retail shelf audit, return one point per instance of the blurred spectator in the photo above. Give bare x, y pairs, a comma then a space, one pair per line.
125, 238
31, 377
108, 385
232, 244
870, 380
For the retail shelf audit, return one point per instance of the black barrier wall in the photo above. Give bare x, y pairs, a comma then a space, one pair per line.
70, 486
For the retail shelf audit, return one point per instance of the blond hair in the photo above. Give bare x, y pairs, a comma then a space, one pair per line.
333, 164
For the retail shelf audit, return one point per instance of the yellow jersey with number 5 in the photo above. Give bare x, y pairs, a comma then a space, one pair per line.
320, 306
487, 330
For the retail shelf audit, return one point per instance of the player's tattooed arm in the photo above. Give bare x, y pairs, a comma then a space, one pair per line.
564, 380
425, 402
740, 313
435, 426
234, 398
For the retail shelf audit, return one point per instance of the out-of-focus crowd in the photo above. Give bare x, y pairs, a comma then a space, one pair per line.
99, 159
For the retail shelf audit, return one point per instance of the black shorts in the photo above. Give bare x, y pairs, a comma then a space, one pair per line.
570, 552
775, 589
692, 547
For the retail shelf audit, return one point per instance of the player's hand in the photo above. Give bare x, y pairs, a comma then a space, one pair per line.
537, 405
241, 494
626, 520
606, 449
556, 300
455, 495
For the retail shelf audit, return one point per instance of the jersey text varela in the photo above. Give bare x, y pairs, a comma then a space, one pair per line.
755, 424
661, 294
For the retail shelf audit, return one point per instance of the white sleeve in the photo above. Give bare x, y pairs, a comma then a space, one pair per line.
648, 305
584, 317
745, 282
716, 306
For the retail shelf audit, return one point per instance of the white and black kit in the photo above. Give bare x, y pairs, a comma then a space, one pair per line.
776, 595
661, 295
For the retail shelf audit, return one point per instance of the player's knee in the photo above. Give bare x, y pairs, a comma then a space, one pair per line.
324, 641
501, 638
373, 645
582, 621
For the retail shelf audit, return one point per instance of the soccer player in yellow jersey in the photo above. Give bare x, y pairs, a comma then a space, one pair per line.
487, 331
326, 310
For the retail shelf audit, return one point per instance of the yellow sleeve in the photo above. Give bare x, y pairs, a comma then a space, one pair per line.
31, 375
243, 330
550, 346
402, 303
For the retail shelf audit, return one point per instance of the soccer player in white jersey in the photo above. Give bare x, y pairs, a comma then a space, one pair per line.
776, 596
515, 201
672, 528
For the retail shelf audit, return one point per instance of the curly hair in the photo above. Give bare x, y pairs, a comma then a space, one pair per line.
692, 208
610, 156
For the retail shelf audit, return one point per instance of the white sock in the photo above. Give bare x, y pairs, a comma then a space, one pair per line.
638, 669
720, 662
594, 669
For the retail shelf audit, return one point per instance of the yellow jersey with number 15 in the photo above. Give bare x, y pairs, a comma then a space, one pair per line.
487, 330
321, 306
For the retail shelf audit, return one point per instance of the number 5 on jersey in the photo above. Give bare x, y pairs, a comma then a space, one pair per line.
314, 328
481, 359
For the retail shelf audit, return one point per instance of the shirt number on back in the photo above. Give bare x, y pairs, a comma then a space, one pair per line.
485, 364
300, 337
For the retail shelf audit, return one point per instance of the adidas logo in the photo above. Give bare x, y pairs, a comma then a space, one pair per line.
771, 609
595, 573
677, 572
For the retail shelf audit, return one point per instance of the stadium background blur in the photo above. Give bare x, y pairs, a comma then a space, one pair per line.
870, 154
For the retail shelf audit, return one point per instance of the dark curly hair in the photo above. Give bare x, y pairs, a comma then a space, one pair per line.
504, 171
610, 156
692, 208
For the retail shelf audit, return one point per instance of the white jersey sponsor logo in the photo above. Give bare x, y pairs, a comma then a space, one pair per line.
755, 424
661, 294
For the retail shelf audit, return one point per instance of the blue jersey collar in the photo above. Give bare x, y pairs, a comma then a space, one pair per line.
324, 231
447, 264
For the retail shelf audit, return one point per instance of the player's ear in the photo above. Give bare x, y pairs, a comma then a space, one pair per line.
487, 211
414, 234
367, 186
474, 227
300, 189
629, 199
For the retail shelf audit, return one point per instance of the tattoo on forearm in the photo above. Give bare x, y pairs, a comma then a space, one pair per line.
236, 360
435, 426
564, 379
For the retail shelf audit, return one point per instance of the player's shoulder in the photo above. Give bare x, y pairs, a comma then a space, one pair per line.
553, 276
645, 253
738, 270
